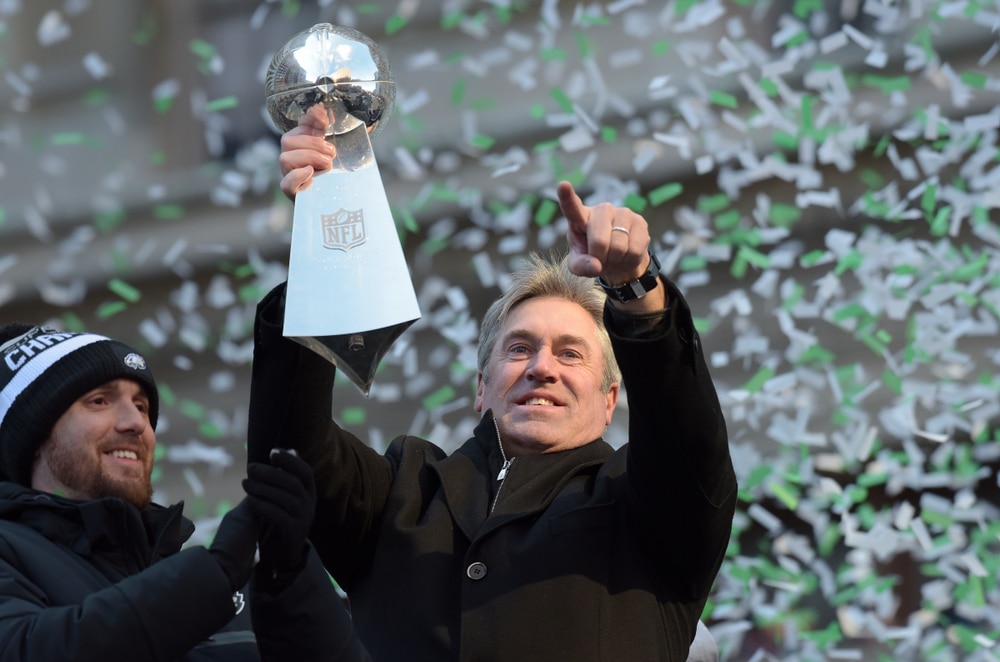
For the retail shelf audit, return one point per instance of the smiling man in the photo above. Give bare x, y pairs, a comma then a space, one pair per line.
91, 569
547, 381
101, 447
535, 540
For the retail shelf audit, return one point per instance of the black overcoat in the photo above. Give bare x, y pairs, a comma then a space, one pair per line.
101, 581
586, 554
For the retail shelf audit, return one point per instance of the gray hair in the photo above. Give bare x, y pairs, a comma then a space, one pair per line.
548, 278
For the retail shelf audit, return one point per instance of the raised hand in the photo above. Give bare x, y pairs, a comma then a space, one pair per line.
305, 150
607, 241
283, 496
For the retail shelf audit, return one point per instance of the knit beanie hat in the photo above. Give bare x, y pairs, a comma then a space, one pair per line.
42, 373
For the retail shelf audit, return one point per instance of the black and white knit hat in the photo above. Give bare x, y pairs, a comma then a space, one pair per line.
42, 373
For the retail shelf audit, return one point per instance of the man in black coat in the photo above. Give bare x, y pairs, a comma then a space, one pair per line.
91, 569
535, 540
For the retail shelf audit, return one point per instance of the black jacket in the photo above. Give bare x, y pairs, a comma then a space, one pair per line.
588, 554
100, 580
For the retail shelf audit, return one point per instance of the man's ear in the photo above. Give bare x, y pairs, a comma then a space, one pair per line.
480, 385
611, 399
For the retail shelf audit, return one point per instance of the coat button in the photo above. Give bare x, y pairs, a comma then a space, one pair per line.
476, 570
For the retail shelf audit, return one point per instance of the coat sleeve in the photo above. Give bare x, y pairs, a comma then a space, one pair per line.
306, 620
682, 486
158, 614
291, 404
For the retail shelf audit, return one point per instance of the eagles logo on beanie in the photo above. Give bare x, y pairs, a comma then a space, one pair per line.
42, 373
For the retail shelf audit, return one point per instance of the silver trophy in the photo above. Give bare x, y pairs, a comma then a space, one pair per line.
349, 293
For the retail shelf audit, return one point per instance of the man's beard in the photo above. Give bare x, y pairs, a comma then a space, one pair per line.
84, 477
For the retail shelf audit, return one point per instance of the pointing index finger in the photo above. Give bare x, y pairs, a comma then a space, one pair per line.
577, 214
573, 208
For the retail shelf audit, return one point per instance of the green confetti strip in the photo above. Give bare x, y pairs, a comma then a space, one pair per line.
73, 138
804, 8
192, 409
784, 215
784, 494
758, 380
665, 193
635, 202
435, 245
887, 84
723, 99
72, 322
162, 105
224, 103
483, 142
108, 310
871, 306
353, 416
124, 290
562, 100
458, 92
98, 96
291, 8
684, 6
546, 211
394, 24
692, 263
147, 30
202, 49
167, 212
442, 396
975, 79
553, 54
209, 430
849, 262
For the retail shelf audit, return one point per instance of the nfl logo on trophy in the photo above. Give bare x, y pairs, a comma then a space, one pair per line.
343, 230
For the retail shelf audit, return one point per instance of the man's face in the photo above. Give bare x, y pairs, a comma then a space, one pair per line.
102, 446
545, 377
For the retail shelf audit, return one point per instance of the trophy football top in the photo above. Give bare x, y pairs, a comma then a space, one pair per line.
335, 70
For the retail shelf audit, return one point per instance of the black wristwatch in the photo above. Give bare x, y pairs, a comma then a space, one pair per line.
637, 288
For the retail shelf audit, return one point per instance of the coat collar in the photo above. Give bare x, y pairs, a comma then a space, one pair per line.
107, 523
469, 478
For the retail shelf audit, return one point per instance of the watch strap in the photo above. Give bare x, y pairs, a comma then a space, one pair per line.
637, 288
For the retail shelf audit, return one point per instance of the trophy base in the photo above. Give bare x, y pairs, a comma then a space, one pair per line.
357, 355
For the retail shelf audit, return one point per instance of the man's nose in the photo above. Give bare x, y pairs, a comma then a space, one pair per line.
542, 366
131, 418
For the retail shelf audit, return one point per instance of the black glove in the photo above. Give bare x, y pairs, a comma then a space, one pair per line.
283, 497
235, 544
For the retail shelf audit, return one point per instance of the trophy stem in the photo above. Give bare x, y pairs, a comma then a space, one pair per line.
354, 150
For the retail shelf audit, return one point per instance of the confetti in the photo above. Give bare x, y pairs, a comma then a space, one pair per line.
821, 180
